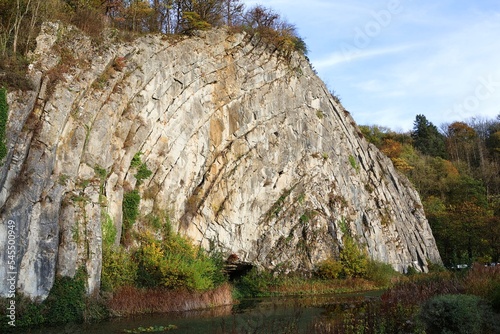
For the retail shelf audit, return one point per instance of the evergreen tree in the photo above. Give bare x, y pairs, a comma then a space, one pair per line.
427, 138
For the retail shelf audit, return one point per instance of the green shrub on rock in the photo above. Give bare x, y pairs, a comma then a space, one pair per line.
354, 260
118, 268
4, 114
330, 269
66, 301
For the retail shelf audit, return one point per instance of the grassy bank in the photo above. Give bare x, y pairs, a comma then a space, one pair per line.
443, 302
264, 284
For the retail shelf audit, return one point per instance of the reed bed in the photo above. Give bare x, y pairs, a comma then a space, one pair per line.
131, 300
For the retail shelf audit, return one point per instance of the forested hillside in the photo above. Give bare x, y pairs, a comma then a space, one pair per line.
456, 170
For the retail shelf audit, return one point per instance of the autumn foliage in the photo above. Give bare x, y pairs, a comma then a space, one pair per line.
457, 173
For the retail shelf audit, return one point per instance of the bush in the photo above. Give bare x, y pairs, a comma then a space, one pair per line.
453, 314
193, 22
354, 260
13, 74
66, 301
176, 263
118, 268
142, 173
254, 284
142, 169
108, 230
330, 269
28, 313
181, 271
380, 273
130, 208
268, 25
4, 115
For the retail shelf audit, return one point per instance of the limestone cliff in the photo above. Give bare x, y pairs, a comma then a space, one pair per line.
248, 149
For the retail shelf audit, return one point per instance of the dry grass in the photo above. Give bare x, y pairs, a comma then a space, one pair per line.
292, 286
417, 289
131, 300
481, 280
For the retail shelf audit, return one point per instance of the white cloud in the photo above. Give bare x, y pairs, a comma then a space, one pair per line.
351, 53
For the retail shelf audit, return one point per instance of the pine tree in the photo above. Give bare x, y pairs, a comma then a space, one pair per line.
427, 138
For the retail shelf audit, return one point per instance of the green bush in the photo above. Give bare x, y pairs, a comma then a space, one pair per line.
142, 173
176, 263
330, 269
100, 172
193, 22
254, 284
219, 276
148, 258
380, 273
108, 231
4, 115
354, 260
453, 314
66, 301
130, 208
118, 268
142, 169
354, 163
181, 271
136, 160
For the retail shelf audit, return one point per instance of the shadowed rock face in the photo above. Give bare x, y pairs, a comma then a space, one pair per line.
248, 149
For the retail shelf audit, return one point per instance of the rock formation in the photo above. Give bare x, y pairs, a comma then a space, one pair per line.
249, 151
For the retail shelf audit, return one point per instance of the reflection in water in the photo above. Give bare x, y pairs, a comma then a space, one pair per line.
265, 315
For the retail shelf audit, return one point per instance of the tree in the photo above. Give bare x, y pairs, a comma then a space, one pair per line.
427, 139
138, 15
493, 138
269, 26
461, 141
375, 134
233, 11
466, 228
261, 17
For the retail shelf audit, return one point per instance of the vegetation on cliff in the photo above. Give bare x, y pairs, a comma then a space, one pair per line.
20, 22
4, 114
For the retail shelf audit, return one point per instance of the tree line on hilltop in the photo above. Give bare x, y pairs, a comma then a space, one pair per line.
20, 22
456, 170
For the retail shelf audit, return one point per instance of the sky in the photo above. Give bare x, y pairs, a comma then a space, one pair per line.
391, 60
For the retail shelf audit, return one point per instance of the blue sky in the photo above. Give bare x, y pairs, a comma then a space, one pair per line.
391, 60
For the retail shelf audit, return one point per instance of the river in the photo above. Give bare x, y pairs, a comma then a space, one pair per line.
259, 316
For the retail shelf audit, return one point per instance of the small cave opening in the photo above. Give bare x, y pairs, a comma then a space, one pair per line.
235, 268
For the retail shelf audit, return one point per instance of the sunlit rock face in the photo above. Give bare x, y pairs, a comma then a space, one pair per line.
249, 151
